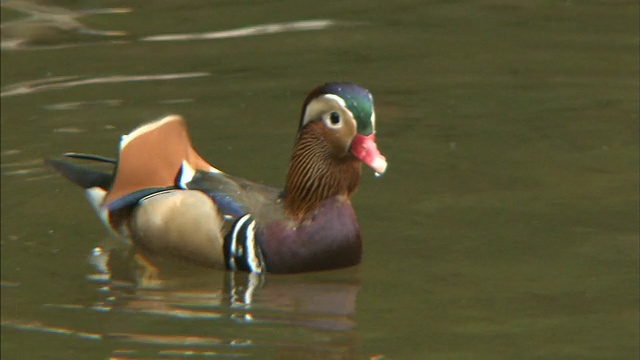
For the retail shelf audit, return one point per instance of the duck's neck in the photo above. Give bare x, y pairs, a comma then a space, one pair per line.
315, 174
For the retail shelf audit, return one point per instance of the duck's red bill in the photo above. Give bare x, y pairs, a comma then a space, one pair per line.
365, 149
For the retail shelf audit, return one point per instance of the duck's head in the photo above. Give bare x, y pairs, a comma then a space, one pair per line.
345, 116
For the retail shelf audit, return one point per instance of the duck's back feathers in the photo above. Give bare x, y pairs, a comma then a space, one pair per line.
153, 156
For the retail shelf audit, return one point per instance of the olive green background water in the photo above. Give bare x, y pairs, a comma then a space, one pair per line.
506, 227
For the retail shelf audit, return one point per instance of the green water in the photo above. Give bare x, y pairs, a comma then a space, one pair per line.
505, 228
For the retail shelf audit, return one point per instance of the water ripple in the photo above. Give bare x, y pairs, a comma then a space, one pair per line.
304, 25
63, 82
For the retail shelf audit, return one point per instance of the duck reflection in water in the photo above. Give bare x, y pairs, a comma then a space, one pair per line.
288, 315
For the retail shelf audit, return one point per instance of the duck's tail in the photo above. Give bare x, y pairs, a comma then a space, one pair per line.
95, 183
82, 176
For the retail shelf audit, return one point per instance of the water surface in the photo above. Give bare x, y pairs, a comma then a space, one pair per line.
506, 226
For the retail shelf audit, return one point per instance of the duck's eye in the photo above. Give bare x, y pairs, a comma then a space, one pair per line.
333, 120
334, 117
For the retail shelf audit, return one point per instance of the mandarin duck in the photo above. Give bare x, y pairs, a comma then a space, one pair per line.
169, 201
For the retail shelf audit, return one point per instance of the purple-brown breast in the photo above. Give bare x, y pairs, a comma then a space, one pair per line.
327, 238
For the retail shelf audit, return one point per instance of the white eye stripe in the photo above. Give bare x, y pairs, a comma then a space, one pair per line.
324, 104
337, 99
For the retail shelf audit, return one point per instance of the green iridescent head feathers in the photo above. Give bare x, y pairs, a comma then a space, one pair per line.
356, 99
